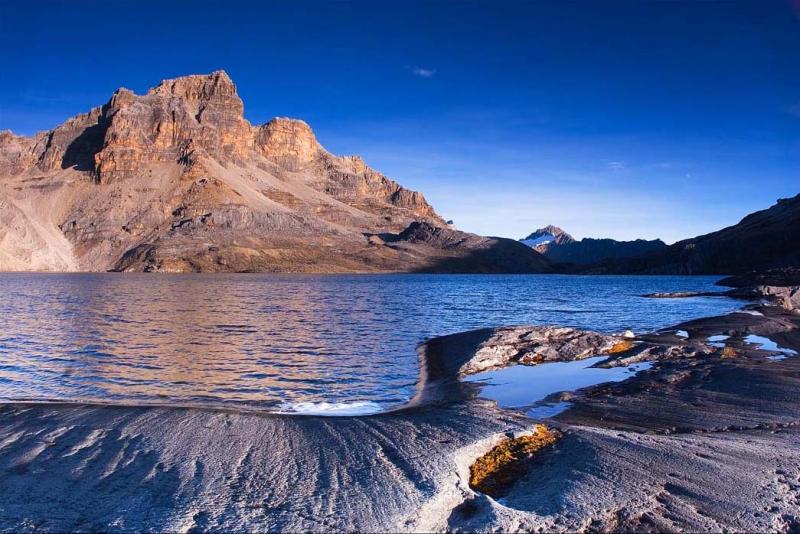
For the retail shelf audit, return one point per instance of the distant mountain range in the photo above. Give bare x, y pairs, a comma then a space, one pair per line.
766, 239
177, 180
561, 248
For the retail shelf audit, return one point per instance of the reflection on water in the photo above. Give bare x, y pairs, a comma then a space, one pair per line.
267, 341
767, 344
525, 386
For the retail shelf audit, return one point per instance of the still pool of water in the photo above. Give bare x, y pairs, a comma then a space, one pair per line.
525, 386
289, 343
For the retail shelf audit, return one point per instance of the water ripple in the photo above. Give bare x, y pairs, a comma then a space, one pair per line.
277, 341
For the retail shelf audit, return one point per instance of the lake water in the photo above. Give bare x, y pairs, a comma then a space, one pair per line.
336, 344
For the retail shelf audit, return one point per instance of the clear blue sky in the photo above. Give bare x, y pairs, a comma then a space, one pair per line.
621, 119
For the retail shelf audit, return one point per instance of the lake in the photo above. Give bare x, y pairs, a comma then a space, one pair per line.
334, 344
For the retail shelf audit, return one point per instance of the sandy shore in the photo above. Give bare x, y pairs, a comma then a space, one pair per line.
701, 441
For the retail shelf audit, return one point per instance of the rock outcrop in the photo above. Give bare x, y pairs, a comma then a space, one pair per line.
178, 180
784, 276
787, 297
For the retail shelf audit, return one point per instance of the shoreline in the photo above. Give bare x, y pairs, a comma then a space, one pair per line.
171, 468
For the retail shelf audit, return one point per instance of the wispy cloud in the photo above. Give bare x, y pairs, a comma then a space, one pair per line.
616, 165
423, 72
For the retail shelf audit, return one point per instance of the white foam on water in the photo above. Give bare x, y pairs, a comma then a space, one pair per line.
682, 333
331, 409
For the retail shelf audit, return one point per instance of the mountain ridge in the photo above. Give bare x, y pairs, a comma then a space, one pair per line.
589, 250
762, 240
561, 248
178, 180
540, 239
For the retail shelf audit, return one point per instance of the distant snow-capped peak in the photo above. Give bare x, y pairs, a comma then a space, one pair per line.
544, 236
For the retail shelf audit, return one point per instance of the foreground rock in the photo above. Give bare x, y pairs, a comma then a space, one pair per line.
494, 348
177, 180
706, 439
494, 472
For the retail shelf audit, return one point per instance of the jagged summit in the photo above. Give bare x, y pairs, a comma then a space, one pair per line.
542, 237
218, 82
550, 230
177, 179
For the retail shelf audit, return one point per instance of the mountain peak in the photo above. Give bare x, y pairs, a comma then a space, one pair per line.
551, 230
197, 86
178, 179
543, 237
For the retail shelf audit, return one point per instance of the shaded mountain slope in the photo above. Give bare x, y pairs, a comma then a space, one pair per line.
461, 252
763, 240
588, 250
560, 247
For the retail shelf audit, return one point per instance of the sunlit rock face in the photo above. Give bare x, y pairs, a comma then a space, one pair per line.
287, 142
178, 180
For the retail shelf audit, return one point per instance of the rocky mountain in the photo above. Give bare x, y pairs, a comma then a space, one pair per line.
588, 251
177, 180
766, 239
542, 238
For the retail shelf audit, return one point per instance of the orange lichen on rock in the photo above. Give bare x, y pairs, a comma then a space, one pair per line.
496, 470
622, 346
531, 359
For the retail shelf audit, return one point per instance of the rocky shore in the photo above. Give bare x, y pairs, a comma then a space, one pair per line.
708, 438
780, 287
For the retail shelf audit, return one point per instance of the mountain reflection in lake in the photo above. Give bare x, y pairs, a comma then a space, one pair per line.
277, 341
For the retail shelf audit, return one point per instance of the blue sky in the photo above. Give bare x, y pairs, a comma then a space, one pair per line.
610, 119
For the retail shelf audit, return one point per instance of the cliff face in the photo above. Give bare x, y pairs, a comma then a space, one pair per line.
178, 180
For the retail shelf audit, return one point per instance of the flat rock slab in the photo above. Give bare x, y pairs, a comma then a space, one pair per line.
700, 441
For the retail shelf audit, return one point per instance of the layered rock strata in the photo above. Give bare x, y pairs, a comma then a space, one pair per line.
178, 180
